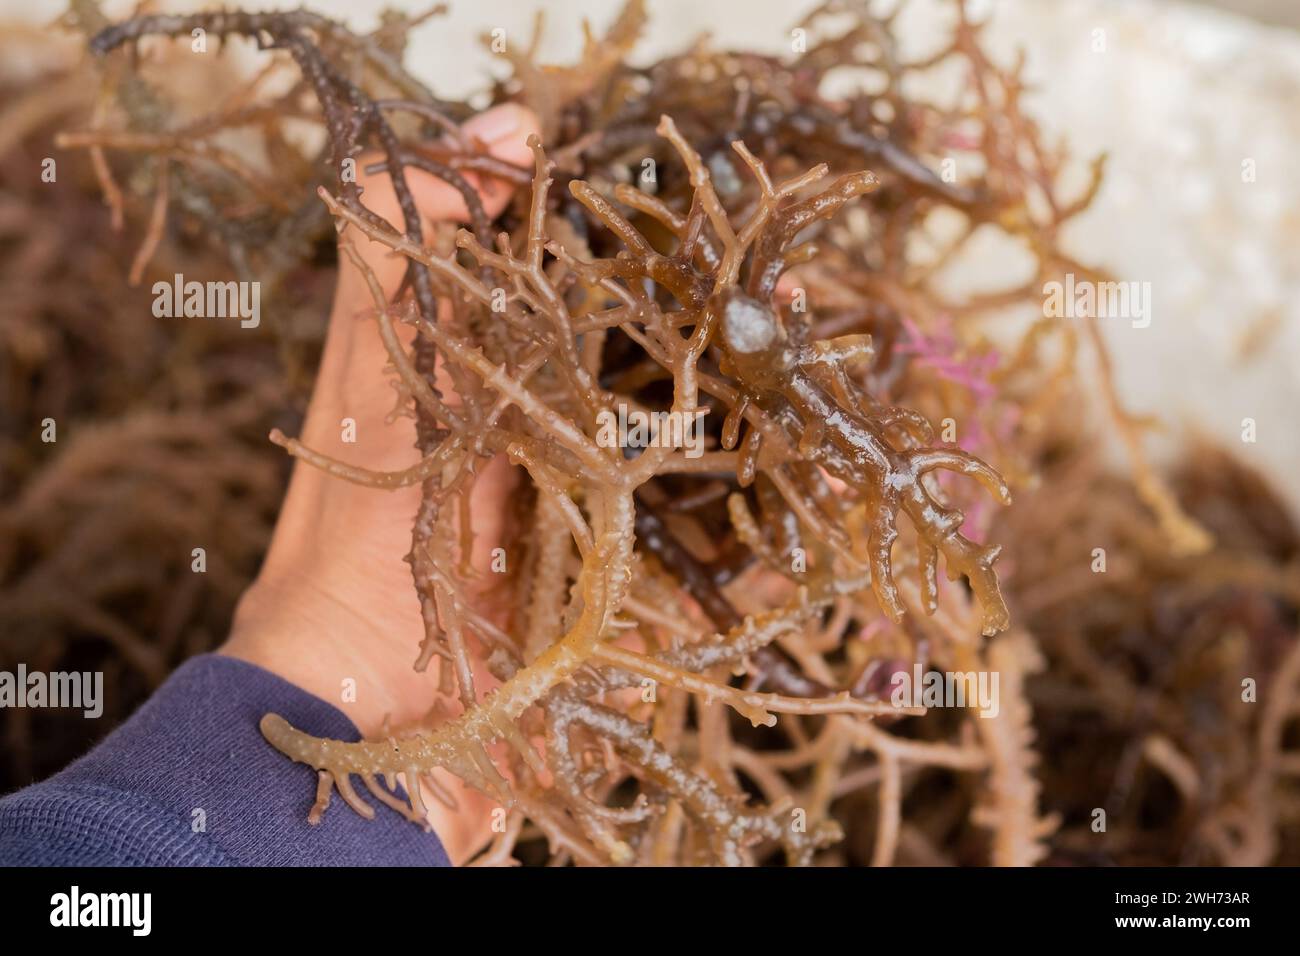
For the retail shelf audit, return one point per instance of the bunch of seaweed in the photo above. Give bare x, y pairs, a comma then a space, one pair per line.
714, 234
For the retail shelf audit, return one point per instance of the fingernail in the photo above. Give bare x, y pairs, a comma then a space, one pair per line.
494, 125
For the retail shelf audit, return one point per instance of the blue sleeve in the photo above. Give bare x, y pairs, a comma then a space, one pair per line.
194, 746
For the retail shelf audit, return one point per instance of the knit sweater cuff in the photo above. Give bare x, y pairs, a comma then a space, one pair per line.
189, 781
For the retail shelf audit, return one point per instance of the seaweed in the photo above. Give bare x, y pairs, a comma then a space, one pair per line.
762, 595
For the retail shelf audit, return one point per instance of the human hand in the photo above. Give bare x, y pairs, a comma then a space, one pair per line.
334, 600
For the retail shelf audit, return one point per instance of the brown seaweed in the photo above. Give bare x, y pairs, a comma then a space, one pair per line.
762, 594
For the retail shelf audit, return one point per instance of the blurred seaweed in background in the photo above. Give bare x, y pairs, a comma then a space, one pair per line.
160, 426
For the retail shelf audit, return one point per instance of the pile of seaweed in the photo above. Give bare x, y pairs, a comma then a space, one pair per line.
709, 234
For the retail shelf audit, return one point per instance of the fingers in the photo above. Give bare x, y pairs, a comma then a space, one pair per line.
351, 382
504, 130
